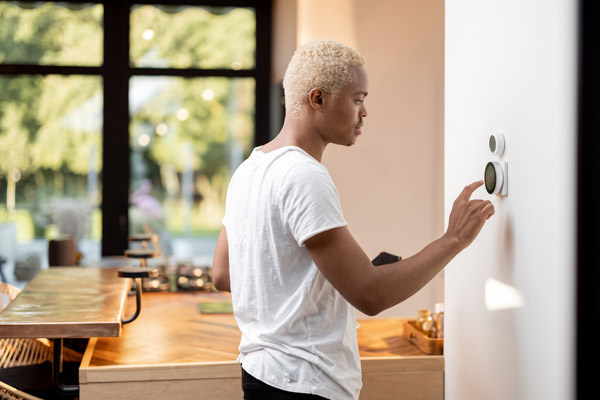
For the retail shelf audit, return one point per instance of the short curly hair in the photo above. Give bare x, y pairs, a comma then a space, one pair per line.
324, 64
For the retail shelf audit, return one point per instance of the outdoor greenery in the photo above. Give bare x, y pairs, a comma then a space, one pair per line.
200, 37
50, 34
186, 134
192, 125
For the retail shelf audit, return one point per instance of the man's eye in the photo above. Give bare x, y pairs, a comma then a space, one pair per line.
359, 101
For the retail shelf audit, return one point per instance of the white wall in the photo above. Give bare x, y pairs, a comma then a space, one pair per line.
510, 67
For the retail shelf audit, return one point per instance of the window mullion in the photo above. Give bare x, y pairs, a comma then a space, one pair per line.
116, 163
30, 69
263, 72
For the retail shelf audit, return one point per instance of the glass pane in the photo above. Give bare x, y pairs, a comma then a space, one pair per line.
50, 33
50, 163
193, 37
186, 136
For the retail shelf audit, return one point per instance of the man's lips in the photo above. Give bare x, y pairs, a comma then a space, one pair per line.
358, 127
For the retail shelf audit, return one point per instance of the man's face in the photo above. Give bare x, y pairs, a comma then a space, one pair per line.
344, 111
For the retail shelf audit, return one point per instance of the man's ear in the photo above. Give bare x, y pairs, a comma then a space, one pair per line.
315, 98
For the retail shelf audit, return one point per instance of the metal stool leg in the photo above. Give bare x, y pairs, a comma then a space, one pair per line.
57, 370
138, 301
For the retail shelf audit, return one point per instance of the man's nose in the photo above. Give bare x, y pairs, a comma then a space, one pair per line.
363, 111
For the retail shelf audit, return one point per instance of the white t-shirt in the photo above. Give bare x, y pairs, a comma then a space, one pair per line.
298, 332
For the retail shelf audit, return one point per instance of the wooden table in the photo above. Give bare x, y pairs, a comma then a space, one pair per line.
172, 351
67, 302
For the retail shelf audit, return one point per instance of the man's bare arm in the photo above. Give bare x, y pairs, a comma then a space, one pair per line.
374, 289
220, 265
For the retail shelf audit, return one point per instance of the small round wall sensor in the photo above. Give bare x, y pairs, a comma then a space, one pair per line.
493, 177
496, 143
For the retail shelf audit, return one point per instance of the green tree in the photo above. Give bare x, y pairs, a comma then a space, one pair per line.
219, 112
41, 135
41, 152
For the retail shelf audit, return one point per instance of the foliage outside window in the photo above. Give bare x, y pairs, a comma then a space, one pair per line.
50, 128
186, 140
49, 34
187, 133
193, 37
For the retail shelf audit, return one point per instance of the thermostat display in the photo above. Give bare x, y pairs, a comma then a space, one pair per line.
495, 178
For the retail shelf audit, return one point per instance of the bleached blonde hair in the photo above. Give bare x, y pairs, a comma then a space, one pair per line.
324, 64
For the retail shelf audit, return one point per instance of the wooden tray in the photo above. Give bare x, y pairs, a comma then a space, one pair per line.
418, 338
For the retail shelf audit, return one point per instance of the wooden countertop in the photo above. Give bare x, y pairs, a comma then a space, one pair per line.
171, 350
170, 329
67, 302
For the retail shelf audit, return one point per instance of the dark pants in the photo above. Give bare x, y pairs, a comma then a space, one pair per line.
258, 390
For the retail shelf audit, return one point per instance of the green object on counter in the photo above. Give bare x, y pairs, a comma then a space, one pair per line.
216, 307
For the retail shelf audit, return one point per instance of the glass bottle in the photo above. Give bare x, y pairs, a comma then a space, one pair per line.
433, 333
439, 320
440, 324
425, 321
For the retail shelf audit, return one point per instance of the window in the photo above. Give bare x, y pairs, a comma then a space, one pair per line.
50, 130
118, 118
187, 135
45, 33
193, 37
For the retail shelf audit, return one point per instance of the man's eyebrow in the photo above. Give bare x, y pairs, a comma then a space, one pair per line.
363, 93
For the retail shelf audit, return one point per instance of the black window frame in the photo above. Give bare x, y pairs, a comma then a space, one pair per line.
116, 72
588, 216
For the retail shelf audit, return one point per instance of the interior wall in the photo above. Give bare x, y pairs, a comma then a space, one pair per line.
510, 68
283, 36
391, 181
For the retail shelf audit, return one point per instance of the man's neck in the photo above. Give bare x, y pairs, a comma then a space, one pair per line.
295, 132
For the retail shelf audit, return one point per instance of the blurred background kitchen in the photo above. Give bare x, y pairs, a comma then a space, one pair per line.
100, 140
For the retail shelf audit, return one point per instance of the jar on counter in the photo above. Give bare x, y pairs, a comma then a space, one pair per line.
439, 322
433, 333
425, 321
439, 319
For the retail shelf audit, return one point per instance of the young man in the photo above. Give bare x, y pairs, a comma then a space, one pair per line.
293, 268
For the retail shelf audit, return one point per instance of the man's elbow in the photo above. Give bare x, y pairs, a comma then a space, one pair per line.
367, 294
369, 311
376, 301
370, 305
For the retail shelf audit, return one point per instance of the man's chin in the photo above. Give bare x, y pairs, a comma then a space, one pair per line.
347, 141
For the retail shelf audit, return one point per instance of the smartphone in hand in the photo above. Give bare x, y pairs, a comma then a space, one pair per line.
385, 258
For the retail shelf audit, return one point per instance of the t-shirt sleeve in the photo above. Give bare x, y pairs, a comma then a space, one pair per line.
310, 202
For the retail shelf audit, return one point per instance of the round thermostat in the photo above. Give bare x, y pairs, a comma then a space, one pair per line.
496, 143
493, 177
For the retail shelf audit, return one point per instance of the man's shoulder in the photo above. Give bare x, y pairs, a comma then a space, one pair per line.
296, 155
291, 162
286, 166
301, 167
